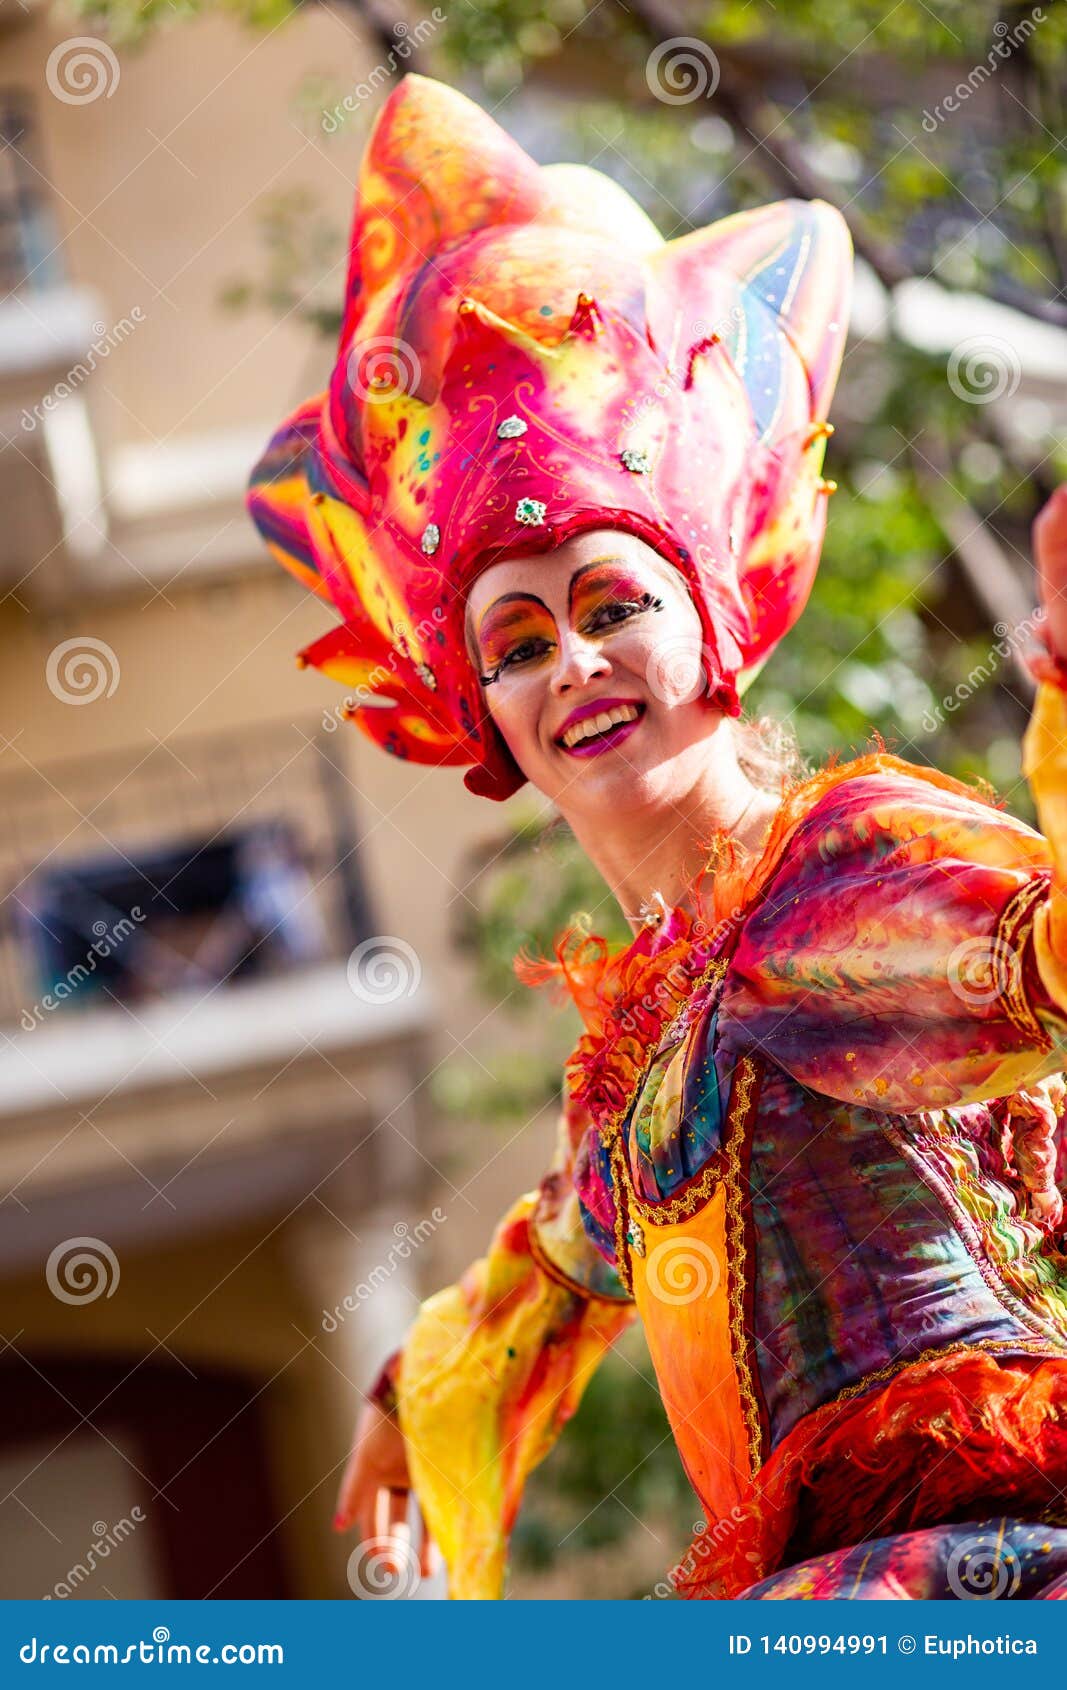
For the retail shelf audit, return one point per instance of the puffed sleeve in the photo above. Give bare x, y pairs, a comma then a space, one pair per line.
909, 951
495, 1366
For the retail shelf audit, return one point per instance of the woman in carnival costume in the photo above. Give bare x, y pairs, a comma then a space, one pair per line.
809, 1131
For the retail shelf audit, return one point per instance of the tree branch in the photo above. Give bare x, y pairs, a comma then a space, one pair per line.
757, 122
997, 585
380, 19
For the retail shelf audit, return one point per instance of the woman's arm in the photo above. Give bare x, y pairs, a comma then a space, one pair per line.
490, 1372
910, 951
1045, 743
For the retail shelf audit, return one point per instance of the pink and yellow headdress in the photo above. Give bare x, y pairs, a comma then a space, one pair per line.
522, 358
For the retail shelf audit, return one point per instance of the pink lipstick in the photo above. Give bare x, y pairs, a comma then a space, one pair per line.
627, 713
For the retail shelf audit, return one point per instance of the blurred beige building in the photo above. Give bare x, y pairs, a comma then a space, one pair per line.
208, 1138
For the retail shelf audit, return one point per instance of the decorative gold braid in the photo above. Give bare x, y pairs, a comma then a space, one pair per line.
621, 1180
989, 1346
737, 1263
610, 1129
671, 1209
1013, 931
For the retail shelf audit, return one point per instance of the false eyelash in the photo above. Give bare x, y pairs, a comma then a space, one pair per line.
647, 601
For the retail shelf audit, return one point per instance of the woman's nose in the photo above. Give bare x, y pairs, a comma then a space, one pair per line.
579, 661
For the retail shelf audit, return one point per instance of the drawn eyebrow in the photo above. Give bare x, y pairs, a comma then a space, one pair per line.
597, 563
533, 598
513, 598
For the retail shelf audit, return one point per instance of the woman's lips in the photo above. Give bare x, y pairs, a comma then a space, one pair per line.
606, 741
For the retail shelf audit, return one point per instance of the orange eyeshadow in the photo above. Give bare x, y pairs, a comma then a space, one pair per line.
606, 585
507, 624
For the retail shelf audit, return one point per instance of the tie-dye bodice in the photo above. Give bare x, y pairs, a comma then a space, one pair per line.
861, 1241
821, 1117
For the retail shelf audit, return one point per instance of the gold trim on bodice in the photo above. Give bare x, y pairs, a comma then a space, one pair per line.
728, 1167
1011, 936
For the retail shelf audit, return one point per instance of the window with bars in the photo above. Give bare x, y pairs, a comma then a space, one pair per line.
29, 234
186, 915
132, 875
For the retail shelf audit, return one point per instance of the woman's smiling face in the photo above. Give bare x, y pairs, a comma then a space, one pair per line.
590, 656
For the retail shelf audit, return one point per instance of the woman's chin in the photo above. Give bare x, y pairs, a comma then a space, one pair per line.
611, 782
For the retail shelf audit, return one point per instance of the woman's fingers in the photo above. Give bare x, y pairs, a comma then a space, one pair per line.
373, 1499
378, 1460
429, 1554
391, 1527
348, 1492
391, 1533
1050, 528
391, 1512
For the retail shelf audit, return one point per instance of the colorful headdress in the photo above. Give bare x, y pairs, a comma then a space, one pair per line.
522, 358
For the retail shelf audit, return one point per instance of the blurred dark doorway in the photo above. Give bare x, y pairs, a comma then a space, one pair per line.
166, 1473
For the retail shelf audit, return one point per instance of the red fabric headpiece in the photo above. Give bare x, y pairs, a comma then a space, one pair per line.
523, 357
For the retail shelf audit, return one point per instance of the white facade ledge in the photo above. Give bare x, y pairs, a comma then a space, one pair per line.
79, 1057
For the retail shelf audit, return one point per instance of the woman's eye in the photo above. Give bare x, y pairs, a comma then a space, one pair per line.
524, 652
617, 611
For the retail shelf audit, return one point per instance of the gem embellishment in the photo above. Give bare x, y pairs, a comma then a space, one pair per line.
431, 538
530, 511
511, 428
635, 1238
426, 676
636, 459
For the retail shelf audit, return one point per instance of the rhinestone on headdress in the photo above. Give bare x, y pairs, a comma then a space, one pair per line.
426, 676
636, 459
511, 428
530, 511
431, 538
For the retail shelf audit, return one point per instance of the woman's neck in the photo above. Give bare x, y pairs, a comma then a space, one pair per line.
661, 849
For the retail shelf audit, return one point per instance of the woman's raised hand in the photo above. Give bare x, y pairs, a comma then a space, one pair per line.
1050, 559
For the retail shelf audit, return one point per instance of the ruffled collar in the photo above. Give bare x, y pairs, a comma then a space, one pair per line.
632, 997
640, 993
